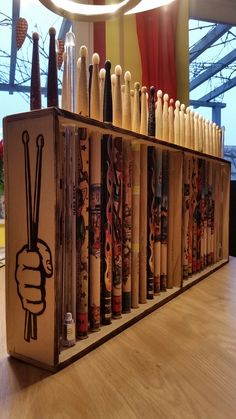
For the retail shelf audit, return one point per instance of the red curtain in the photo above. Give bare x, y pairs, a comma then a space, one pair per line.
99, 37
156, 31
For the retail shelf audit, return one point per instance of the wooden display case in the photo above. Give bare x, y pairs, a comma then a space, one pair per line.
23, 149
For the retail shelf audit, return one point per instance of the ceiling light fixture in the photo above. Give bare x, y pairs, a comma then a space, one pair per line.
76, 10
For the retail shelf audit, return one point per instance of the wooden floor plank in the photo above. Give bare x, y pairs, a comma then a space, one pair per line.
179, 362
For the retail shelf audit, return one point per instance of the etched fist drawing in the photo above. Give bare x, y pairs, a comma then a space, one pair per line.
34, 259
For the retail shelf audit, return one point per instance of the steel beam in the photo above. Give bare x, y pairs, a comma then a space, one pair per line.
65, 27
214, 69
207, 40
219, 90
205, 104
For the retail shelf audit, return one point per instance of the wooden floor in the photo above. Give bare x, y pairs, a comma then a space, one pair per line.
179, 362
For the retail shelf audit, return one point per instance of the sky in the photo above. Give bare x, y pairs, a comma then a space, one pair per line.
41, 19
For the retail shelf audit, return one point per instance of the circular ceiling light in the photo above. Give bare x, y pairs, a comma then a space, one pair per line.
76, 10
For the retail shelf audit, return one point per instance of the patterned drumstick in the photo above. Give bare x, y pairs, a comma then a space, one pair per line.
82, 108
145, 123
127, 198
135, 202
95, 202
150, 221
107, 204
159, 131
151, 113
164, 218
117, 198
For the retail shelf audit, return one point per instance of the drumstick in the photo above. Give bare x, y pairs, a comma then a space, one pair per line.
37, 188
132, 103
127, 197
207, 145
192, 113
145, 123
214, 139
150, 221
95, 201
102, 74
171, 121
203, 136
107, 204
82, 108
64, 83
196, 131
177, 123
200, 148
117, 106
164, 218
35, 86
182, 125
113, 83
187, 133
135, 202
159, 132
70, 57
90, 86
151, 113
117, 198
165, 122
52, 85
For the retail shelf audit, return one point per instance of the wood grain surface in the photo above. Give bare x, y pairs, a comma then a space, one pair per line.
172, 364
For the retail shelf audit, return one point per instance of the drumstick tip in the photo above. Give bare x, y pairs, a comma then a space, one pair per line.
35, 36
166, 97
182, 107
159, 94
144, 89
136, 85
83, 51
95, 59
107, 65
171, 102
118, 70
177, 104
52, 31
25, 137
127, 76
102, 73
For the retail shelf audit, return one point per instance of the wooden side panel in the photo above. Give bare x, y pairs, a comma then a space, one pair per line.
226, 195
30, 237
175, 220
